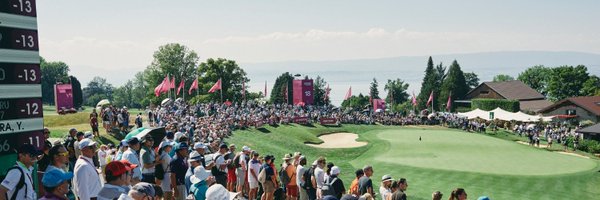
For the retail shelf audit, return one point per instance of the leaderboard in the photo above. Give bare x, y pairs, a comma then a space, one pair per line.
21, 119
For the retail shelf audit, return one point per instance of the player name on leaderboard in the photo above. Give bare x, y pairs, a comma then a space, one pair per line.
21, 119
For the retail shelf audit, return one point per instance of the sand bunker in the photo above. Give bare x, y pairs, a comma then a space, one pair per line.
339, 140
561, 152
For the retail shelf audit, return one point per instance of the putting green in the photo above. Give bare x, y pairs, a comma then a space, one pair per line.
468, 152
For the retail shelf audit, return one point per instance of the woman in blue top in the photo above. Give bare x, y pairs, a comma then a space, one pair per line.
201, 180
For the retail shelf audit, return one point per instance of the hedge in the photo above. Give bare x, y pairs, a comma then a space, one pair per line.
491, 104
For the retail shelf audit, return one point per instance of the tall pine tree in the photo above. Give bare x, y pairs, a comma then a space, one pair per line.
454, 84
278, 94
429, 84
373, 91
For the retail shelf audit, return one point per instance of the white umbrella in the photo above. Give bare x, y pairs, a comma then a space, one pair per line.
165, 102
103, 102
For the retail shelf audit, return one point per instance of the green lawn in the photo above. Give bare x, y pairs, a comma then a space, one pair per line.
497, 175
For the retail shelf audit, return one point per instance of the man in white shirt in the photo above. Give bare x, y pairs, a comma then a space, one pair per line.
102, 154
253, 170
320, 176
299, 181
12, 185
133, 158
384, 188
242, 169
86, 182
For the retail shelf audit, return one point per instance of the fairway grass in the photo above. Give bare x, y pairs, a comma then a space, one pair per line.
561, 183
470, 152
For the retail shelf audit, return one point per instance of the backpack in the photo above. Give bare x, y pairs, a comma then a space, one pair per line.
215, 170
328, 188
236, 161
228, 156
306, 177
285, 179
262, 176
20, 184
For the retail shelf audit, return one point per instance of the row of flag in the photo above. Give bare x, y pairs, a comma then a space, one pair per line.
168, 84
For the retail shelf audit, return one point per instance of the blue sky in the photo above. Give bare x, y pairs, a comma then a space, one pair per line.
104, 37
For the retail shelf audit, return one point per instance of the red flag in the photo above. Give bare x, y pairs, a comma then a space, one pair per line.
449, 103
172, 84
326, 93
215, 87
158, 88
180, 87
265, 89
430, 98
414, 99
348, 94
194, 86
167, 84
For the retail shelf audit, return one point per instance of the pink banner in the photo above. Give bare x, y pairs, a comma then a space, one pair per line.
325, 121
300, 120
303, 92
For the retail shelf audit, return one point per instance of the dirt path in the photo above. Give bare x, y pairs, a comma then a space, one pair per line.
339, 140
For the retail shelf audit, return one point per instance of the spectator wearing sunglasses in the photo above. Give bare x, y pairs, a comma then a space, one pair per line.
56, 184
18, 183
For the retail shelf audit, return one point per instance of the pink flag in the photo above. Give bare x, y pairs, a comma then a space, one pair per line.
172, 86
158, 88
215, 87
449, 103
165, 85
348, 94
430, 98
194, 86
414, 99
180, 87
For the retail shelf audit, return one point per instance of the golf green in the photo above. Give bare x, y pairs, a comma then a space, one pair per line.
469, 152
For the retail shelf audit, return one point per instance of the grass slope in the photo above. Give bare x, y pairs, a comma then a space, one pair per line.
422, 181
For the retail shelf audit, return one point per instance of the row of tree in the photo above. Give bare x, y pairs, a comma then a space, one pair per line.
557, 83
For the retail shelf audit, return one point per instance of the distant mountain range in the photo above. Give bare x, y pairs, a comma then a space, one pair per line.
358, 73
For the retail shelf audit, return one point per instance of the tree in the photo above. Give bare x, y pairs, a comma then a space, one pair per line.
319, 92
536, 77
454, 86
77, 92
123, 96
566, 81
591, 87
278, 94
231, 75
440, 74
356, 102
96, 90
52, 73
472, 80
373, 91
428, 85
396, 92
502, 78
173, 60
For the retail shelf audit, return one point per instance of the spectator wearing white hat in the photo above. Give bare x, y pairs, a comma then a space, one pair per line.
165, 181
218, 192
336, 183
193, 162
201, 149
201, 180
56, 184
384, 188
132, 156
241, 160
122, 148
86, 182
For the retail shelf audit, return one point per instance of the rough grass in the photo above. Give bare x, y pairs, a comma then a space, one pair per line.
422, 181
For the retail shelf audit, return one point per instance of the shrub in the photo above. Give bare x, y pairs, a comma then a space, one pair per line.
491, 104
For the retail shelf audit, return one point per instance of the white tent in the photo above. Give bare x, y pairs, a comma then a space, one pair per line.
477, 113
501, 114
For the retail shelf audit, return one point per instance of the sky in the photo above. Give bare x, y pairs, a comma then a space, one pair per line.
116, 39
